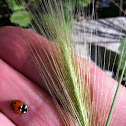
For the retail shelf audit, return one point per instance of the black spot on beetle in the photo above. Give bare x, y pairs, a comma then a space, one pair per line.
20, 108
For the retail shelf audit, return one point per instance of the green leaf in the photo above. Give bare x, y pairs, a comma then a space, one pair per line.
122, 52
37, 2
22, 18
83, 3
13, 5
68, 5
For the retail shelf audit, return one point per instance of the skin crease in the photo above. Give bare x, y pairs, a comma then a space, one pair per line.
18, 74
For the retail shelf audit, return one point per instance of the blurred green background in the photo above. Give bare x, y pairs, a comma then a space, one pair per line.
15, 12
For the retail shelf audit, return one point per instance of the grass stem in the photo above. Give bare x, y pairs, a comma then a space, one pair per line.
115, 96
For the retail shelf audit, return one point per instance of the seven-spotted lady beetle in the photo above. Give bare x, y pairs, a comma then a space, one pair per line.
19, 107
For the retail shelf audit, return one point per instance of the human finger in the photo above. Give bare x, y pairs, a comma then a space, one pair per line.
42, 110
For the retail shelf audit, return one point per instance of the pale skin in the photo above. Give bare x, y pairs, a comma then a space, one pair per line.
19, 79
